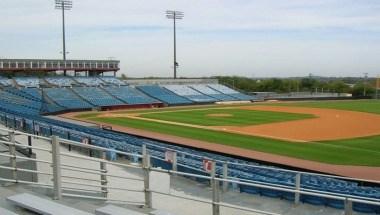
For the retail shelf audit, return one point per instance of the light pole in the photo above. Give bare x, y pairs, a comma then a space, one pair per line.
365, 83
377, 86
174, 15
63, 5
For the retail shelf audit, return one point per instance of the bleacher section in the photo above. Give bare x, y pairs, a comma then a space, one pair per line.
5, 82
164, 95
233, 93
33, 96
89, 81
130, 95
114, 92
27, 81
190, 93
97, 96
60, 81
113, 80
66, 98
13, 102
212, 93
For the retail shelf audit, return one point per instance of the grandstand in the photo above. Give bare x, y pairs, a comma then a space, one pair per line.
21, 108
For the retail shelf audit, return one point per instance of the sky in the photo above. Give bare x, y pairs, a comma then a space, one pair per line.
252, 38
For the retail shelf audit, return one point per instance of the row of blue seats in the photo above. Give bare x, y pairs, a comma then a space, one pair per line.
130, 95
164, 95
66, 98
97, 96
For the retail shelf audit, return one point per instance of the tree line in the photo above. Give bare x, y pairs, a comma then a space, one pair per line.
355, 86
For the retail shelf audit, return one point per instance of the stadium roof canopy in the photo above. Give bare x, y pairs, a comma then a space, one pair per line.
51, 65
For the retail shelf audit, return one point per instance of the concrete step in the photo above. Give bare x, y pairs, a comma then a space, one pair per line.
43, 206
115, 210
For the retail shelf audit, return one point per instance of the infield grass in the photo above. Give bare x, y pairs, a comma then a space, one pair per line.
369, 106
224, 116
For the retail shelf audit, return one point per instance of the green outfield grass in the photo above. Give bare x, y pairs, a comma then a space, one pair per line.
361, 151
369, 106
232, 116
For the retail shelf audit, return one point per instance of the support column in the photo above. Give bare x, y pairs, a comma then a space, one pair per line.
30, 151
56, 168
103, 177
12, 152
225, 176
298, 188
215, 191
174, 161
146, 169
347, 207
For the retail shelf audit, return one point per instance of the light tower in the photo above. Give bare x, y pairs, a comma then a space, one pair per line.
174, 15
63, 5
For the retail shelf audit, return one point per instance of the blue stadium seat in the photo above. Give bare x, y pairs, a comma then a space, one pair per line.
163, 95
97, 96
130, 95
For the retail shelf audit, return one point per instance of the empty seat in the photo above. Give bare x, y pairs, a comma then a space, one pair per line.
43, 206
60, 81
28, 81
230, 92
130, 95
5, 82
97, 96
190, 93
89, 81
163, 95
66, 98
113, 80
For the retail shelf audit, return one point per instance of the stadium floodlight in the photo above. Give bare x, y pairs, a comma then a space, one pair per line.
63, 5
174, 15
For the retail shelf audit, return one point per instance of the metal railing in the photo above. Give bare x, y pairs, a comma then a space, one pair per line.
61, 182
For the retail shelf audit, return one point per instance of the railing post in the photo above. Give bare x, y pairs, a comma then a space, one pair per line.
12, 152
56, 167
174, 164
297, 188
30, 151
103, 176
146, 169
347, 207
225, 176
215, 191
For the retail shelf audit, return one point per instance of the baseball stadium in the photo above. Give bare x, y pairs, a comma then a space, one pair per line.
77, 138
